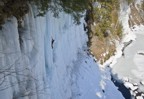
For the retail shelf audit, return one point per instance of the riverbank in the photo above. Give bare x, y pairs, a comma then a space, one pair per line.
127, 63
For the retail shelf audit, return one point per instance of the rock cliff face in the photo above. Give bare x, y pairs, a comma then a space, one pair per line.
136, 16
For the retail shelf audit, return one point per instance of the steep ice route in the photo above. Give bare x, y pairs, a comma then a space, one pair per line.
45, 59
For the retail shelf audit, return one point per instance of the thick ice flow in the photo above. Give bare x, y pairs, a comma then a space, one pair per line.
47, 58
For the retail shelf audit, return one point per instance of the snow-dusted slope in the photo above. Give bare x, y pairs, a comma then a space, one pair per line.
47, 59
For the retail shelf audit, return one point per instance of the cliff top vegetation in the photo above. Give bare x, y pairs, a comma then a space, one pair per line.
19, 8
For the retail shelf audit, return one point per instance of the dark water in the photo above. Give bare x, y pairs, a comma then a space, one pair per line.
125, 91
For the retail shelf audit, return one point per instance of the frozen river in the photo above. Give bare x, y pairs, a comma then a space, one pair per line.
131, 65
132, 61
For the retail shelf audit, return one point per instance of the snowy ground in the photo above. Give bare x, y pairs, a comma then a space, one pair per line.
91, 82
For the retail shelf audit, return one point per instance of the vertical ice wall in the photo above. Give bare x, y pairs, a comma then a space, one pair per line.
46, 58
